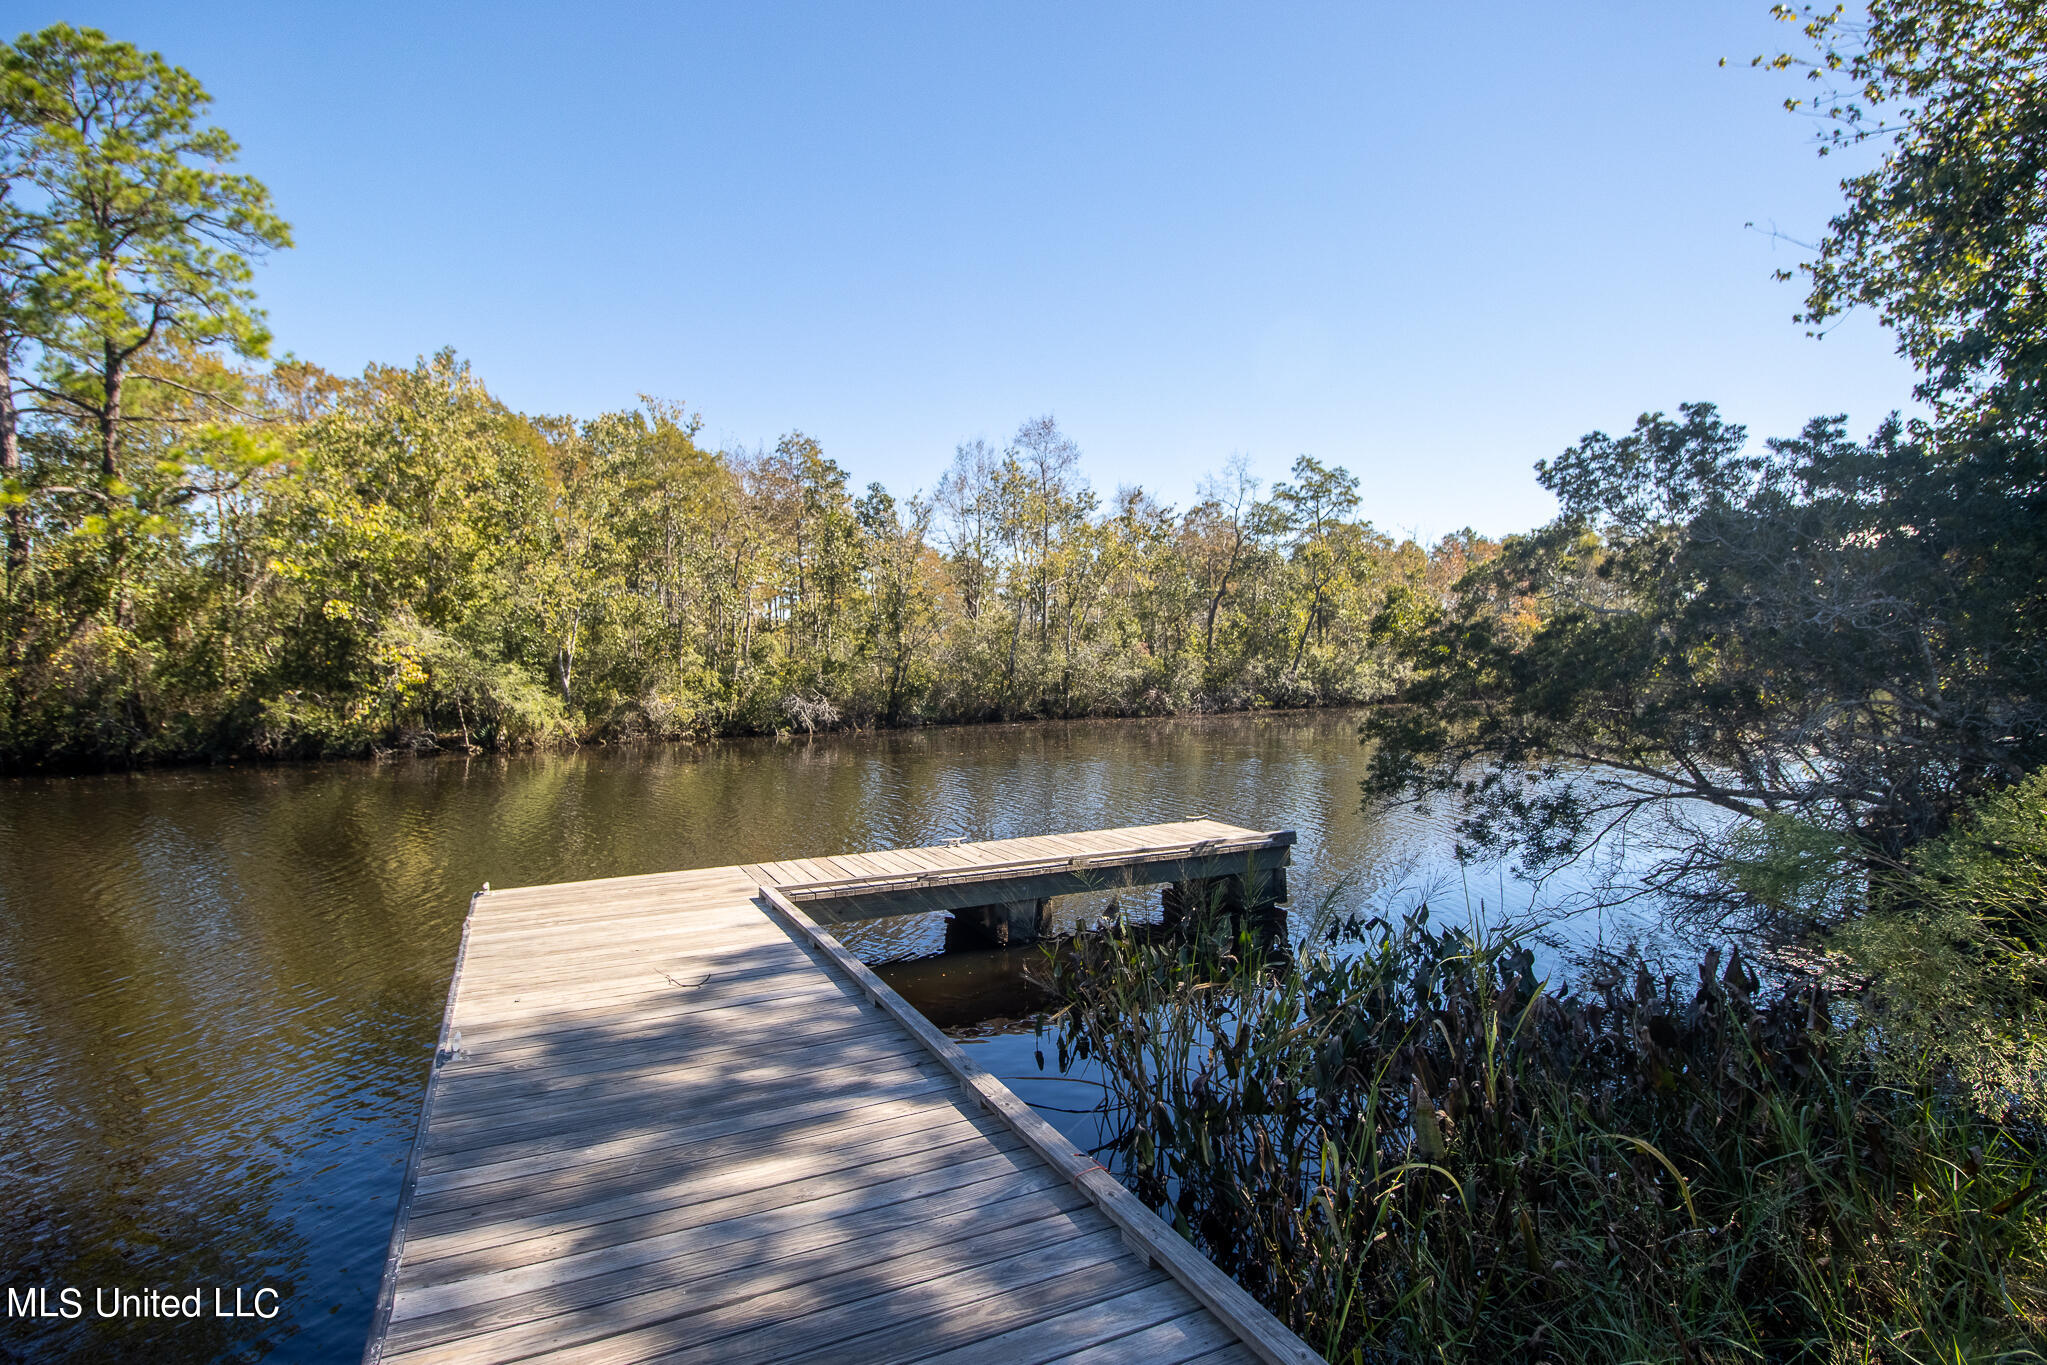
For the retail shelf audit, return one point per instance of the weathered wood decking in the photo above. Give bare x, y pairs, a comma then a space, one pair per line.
672, 1119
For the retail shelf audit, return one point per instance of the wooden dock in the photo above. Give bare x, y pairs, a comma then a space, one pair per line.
671, 1119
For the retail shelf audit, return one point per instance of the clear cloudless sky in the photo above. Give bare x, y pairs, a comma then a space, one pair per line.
1430, 243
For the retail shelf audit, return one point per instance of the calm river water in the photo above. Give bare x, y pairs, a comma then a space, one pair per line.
219, 989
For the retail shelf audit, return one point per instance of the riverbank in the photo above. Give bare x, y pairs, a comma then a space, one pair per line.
422, 744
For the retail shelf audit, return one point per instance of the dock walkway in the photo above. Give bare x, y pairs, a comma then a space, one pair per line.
671, 1119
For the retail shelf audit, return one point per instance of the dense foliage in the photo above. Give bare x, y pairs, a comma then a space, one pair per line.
1943, 236
207, 556
1790, 632
400, 560
1409, 1147
1826, 633
1952, 958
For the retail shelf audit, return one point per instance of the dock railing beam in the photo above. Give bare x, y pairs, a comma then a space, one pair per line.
1254, 857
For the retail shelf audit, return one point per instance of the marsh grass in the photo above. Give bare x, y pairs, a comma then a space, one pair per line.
1411, 1148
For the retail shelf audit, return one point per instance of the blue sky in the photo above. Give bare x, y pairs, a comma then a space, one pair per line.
1431, 243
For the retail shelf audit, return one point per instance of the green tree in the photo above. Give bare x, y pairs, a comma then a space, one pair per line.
680, 497
422, 563
968, 498
19, 230
900, 615
1766, 633
1946, 236
1822, 633
1945, 239
1955, 950
1052, 498
1224, 531
140, 234
1314, 506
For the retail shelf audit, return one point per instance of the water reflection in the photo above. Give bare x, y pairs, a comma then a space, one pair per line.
219, 989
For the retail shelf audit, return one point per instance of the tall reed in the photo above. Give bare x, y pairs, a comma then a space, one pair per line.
1410, 1147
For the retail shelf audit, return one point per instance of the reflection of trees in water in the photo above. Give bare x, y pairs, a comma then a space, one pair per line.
121, 1225
199, 1013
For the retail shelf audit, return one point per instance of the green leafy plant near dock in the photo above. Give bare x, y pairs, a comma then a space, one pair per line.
1410, 1147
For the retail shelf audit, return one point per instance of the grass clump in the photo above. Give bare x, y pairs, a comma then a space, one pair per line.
1410, 1147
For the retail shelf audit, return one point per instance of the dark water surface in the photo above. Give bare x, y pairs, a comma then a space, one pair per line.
219, 989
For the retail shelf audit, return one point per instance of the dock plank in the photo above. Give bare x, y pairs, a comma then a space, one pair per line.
472, 1218
647, 1216
540, 1190
693, 1313
1174, 1342
817, 1248
1093, 1326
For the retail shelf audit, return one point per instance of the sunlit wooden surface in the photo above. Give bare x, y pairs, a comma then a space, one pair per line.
664, 1124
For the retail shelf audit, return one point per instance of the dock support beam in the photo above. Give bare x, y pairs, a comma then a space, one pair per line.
999, 925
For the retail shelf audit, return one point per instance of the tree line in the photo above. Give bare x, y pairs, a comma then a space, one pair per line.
400, 560
210, 554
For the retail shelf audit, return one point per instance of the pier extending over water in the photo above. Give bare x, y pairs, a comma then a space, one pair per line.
671, 1118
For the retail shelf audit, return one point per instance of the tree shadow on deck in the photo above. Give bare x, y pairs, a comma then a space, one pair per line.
733, 1154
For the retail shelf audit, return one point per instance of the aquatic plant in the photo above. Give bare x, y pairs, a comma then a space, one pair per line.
1409, 1145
